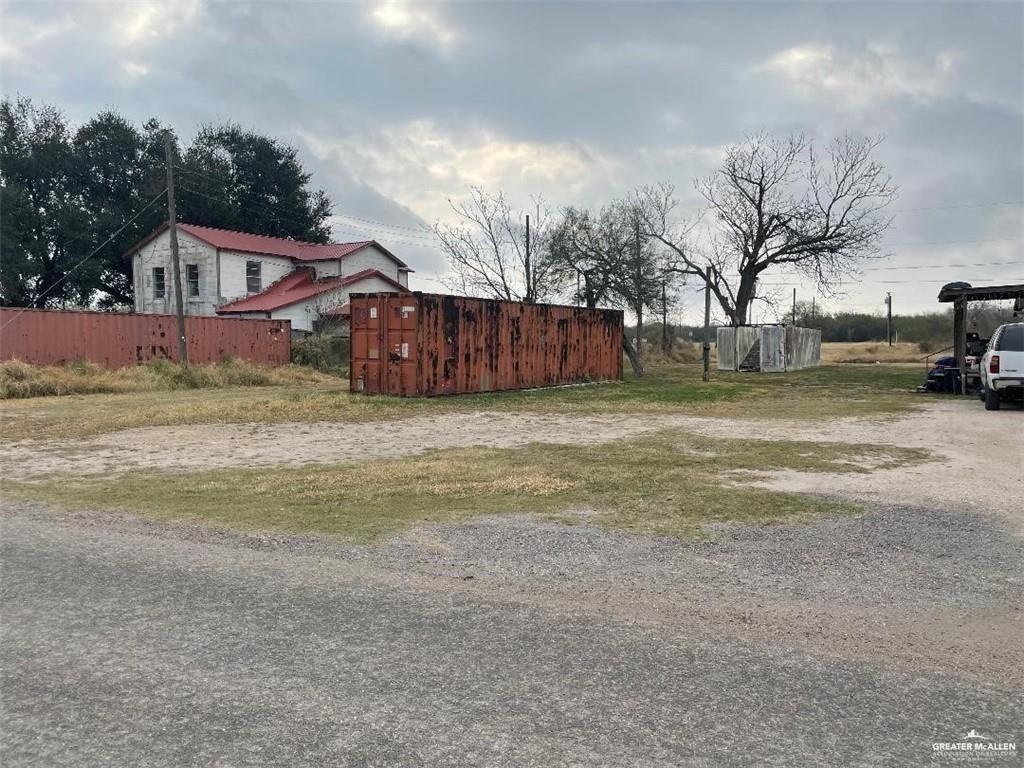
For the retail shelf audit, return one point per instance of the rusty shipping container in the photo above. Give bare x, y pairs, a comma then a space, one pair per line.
119, 339
432, 344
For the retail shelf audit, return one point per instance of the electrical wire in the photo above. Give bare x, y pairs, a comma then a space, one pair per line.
378, 224
96, 250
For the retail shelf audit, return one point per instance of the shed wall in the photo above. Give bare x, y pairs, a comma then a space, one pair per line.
773, 348
803, 348
115, 339
726, 344
432, 344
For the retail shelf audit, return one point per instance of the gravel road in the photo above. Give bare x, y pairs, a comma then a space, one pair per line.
508, 642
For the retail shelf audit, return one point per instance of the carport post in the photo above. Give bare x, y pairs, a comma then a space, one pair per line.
960, 340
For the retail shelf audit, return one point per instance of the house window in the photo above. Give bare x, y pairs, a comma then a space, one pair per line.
159, 288
253, 280
192, 278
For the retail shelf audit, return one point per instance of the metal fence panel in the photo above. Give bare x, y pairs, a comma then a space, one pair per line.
119, 339
725, 345
773, 349
803, 347
746, 337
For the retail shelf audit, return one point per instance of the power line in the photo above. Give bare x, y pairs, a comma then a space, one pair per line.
250, 207
210, 176
950, 242
958, 205
96, 250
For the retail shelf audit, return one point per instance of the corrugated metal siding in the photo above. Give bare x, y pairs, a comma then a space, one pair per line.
116, 339
803, 347
432, 344
726, 344
773, 349
746, 337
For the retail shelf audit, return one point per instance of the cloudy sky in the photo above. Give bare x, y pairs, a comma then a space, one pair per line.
398, 106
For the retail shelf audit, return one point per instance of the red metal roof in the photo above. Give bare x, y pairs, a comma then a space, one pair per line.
245, 242
298, 286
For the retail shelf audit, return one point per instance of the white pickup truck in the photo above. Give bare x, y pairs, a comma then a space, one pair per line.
1002, 366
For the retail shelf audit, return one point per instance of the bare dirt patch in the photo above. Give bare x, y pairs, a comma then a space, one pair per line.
980, 454
222, 446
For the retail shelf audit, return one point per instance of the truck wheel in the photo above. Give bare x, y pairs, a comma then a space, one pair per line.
991, 400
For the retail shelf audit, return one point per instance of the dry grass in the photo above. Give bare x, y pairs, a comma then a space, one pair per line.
673, 484
818, 393
871, 352
21, 380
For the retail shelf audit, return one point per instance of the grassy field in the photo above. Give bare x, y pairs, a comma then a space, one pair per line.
870, 352
673, 484
817, 393
21, 380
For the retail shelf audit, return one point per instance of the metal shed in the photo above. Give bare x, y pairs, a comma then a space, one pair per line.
768, 348
434, 344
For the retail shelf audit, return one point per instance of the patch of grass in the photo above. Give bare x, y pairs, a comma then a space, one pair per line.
816, 393
21, 380
671, 484
870, 352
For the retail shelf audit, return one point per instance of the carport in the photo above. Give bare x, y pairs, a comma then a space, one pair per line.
961, 296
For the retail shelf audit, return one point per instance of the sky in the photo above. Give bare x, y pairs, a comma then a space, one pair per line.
398, 107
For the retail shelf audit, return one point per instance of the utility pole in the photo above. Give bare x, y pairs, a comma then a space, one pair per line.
706, 347
638, 287
888, 318
794, 307
526, 264
175, 259
664, 317
812, 306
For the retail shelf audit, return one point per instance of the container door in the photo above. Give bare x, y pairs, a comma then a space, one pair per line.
401, 322
366, 373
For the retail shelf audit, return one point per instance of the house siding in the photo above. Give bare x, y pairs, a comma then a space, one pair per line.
303, 314
369, 257
157, 253
222, 278
232, 272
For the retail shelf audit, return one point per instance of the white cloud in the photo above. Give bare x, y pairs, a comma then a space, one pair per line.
406, 21
858, 81
420, 165
20, 35
143, 23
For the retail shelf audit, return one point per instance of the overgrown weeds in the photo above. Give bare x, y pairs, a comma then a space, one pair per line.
21, 380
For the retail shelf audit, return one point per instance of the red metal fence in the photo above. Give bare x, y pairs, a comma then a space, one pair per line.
118, 339
430, 344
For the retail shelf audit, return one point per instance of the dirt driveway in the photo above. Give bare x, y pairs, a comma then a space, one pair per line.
979, 455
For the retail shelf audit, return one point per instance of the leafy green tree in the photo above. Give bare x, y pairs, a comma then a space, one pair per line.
238, 179
43, 223
64, 192
119, 171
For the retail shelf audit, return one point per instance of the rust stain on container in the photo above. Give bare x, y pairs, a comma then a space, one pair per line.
433, 344
119, 339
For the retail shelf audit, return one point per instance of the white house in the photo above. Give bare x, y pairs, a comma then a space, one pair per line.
243, 275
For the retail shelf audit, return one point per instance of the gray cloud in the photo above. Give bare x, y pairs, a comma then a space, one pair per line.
397, 106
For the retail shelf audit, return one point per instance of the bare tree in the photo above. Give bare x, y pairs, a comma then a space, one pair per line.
487, 250
610, 263
325, 312
591, 250
777, 203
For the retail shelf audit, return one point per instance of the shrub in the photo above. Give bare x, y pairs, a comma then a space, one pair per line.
322, 352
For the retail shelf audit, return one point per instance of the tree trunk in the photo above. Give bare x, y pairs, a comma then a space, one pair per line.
639, 334
634, 359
